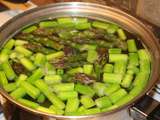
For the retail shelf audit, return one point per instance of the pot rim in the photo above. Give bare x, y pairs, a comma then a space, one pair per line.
74, 5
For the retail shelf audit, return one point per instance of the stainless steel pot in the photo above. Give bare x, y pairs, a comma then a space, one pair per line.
93, 11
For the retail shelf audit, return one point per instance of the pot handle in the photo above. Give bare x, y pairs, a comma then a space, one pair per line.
147, 108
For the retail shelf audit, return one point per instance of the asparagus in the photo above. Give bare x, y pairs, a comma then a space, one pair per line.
99, 88
9, 45
72, 105
62, 87
41, 98
52, 79
29, 29
112, 78
108, 68
132, 45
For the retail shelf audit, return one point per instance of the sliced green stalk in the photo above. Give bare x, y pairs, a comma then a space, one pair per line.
40, 59
61, 87
75, 70
3, 78
30, 89
121, 34
27, 64
9, 72
41, 98
55, 55
10, 87
84, 89
133, 59
23, 51
108, 68
87, 69
72, 105
57, 110
115, 51
67, 95
114, 78
120, 67
111, 89
20, 79
9, 45
87, 101
29, 29
28, 103
92, 111
103, 102
101, 25
36, 75
127, 80
92, 56
20, 42
46, 110
47, 24
83, 26
132, 45
117, 95
43, 87
18, 93
99, 88
118, 57
52, 79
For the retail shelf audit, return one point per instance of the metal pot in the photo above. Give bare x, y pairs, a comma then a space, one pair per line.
93, 11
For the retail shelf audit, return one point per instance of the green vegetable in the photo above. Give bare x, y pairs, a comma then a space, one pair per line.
120, 67
9, 45
83, 26
84, 89
87, 101
111, 89
115, 51
28, 103
18, 93
41, 98
10, 87
118, 57
117, 95
67, 95
55, 55
99, 88
20, 79
72, 105
39, 59
121, 34
9, 72
87, 69
46, 110
75, 70
127, 80
29, 29
103, 102
57, 110
43, 87
108, 68
133, 59
92, 111
52, 79
37, 74
23, 51
27, 64
61, 87
115, 78
101, 25
30, 89
47, 24
3, 78
132, 45
92, 56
